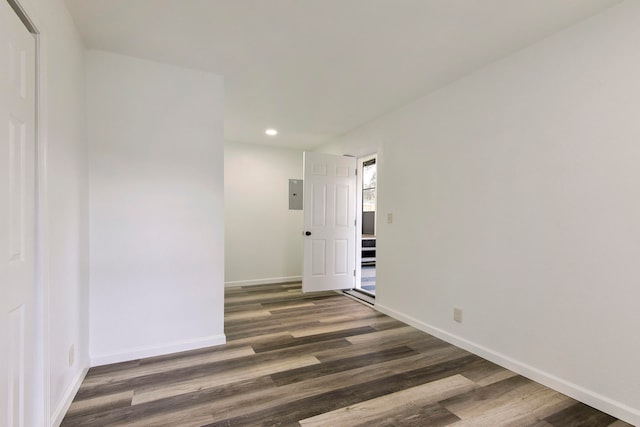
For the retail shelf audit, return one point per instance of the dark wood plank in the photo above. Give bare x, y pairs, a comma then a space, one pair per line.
260, 348
580, 415
340, 365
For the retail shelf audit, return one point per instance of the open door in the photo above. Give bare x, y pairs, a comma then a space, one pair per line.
18, 367
329, 222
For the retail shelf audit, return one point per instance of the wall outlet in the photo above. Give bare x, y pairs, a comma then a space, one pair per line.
457, 314
389, 218
72, 354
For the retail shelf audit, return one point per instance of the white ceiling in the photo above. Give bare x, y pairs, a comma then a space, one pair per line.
315, 69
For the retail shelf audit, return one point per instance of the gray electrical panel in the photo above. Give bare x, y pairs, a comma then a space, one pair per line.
295, 194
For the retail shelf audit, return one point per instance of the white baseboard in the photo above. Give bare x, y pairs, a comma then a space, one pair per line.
141, 352
268, 281
67, 399
598, 401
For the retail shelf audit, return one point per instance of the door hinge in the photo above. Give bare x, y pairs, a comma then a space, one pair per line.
356, 172
354, 273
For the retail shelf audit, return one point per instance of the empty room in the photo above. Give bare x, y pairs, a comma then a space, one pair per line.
320, 213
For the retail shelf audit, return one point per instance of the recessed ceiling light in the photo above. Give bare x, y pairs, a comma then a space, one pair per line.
271, 132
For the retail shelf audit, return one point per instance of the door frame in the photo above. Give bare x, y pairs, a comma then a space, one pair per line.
25, 10
360, 162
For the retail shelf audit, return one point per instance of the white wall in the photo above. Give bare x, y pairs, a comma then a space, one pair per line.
156, 209
514, 196
63, 203
263, 241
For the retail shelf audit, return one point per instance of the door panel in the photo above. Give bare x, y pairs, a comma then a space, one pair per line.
329, 221
318, 254
17, 220
341, 251
319, 210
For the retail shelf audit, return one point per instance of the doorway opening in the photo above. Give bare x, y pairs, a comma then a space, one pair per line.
367, 184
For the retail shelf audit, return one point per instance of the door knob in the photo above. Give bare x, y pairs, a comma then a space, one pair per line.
307, 233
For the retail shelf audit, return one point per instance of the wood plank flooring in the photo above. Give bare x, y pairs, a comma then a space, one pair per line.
319, 360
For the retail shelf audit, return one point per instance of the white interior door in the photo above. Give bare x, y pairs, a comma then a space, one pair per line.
17, 226
329, 222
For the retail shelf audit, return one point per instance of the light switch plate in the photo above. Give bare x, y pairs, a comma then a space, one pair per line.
457, 314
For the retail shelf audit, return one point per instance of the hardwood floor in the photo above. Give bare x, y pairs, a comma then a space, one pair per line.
319, 360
